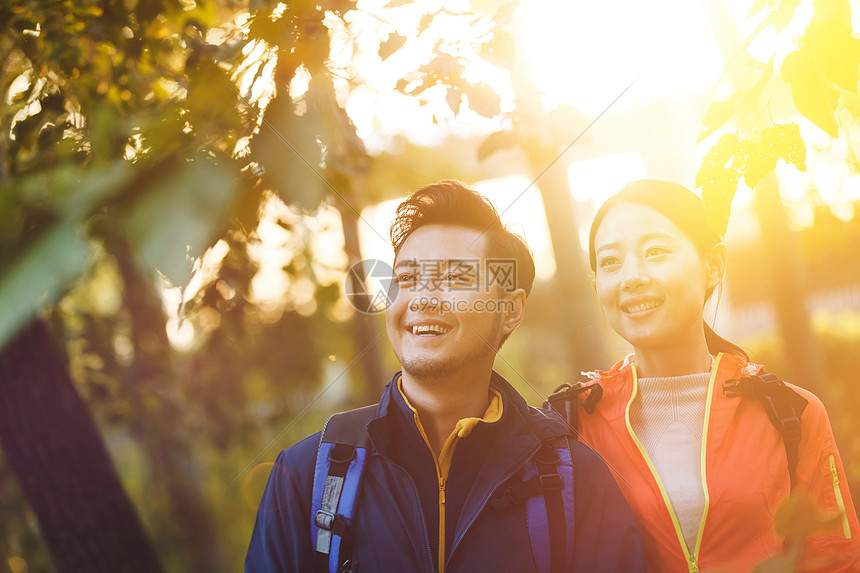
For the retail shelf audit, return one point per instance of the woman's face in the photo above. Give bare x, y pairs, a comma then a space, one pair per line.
650, 278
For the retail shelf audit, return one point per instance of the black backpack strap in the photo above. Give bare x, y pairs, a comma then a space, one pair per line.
565, 401
338, 471
783, 405
552, 484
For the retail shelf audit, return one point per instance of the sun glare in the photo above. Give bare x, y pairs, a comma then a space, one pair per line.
585, 53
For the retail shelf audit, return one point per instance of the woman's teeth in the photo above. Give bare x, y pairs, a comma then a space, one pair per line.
641, 307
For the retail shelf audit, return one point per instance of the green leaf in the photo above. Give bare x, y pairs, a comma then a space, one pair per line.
758, 5
718, 113
425, 22
501, 50
40, 274
180, 216
496, 142
483, 100
453, 97
814, 95
828, 59
288, 148
799, 516
749, 106
394, 42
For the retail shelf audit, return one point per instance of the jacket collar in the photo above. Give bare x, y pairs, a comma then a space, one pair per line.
517, 417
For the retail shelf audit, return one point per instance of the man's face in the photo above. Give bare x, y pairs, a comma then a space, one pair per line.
445, 315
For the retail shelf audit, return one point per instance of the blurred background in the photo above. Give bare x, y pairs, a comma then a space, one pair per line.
184, 184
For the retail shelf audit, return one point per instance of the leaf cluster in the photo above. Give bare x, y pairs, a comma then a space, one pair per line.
734, 158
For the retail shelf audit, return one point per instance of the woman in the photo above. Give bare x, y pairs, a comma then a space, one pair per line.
696, 455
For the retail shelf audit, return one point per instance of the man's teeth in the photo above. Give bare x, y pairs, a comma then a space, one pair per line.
433, 329
642, 307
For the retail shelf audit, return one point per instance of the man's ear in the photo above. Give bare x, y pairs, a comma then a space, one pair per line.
715, 264
514, 310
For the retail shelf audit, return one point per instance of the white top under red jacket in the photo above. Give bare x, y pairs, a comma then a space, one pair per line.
745, 477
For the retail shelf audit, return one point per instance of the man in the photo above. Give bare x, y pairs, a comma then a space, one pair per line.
449, 482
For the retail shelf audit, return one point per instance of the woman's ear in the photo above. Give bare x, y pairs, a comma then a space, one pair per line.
715, 264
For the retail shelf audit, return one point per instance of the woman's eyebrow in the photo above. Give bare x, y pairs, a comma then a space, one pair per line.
655, 235
606, 246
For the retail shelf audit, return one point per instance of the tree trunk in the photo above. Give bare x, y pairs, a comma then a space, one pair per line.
788, 288
51, 443
578, 311
157, 423
365, 326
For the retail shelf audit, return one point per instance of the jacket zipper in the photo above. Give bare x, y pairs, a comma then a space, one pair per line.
441, 518
846, 529
691, 558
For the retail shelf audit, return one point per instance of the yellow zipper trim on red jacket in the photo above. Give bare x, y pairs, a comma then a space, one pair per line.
692, 558
443, 463
846, 529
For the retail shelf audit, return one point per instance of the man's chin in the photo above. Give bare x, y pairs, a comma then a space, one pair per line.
423, 368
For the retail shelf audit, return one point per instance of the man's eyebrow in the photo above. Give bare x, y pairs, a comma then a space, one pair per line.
463, 262
406, 263
446, 263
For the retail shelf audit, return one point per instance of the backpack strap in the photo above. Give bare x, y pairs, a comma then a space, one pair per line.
565, 401
340, 463
783, 405
550, 516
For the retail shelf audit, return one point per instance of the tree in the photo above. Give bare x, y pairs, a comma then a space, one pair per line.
818, 80
138, 135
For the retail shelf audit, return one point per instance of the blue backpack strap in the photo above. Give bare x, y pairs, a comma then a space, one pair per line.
550, 516
340, 463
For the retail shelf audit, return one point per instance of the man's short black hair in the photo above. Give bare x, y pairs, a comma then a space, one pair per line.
449, 202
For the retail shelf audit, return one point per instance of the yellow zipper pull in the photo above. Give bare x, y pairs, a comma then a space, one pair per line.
694, 566
442, 489
840, 502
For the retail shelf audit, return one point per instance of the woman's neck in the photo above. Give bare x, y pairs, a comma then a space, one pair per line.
673, 360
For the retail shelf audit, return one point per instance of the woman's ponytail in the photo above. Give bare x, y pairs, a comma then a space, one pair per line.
717, 344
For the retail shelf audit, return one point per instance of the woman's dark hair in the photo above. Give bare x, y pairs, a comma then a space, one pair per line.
687, 211
449, 202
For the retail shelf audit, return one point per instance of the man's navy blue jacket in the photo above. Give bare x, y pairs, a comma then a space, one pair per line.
396, 526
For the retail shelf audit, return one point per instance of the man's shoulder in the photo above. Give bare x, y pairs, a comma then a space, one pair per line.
342, 426
301, 455
588, 465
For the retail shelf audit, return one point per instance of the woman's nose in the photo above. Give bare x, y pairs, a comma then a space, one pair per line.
635, 274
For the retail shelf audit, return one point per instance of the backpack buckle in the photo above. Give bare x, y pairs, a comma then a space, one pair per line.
330, 521
547, 456
790, 428
551, 482
324, 519
735, 387
341, 455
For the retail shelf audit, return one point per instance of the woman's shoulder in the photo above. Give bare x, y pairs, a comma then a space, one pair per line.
616, 372
814, 411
